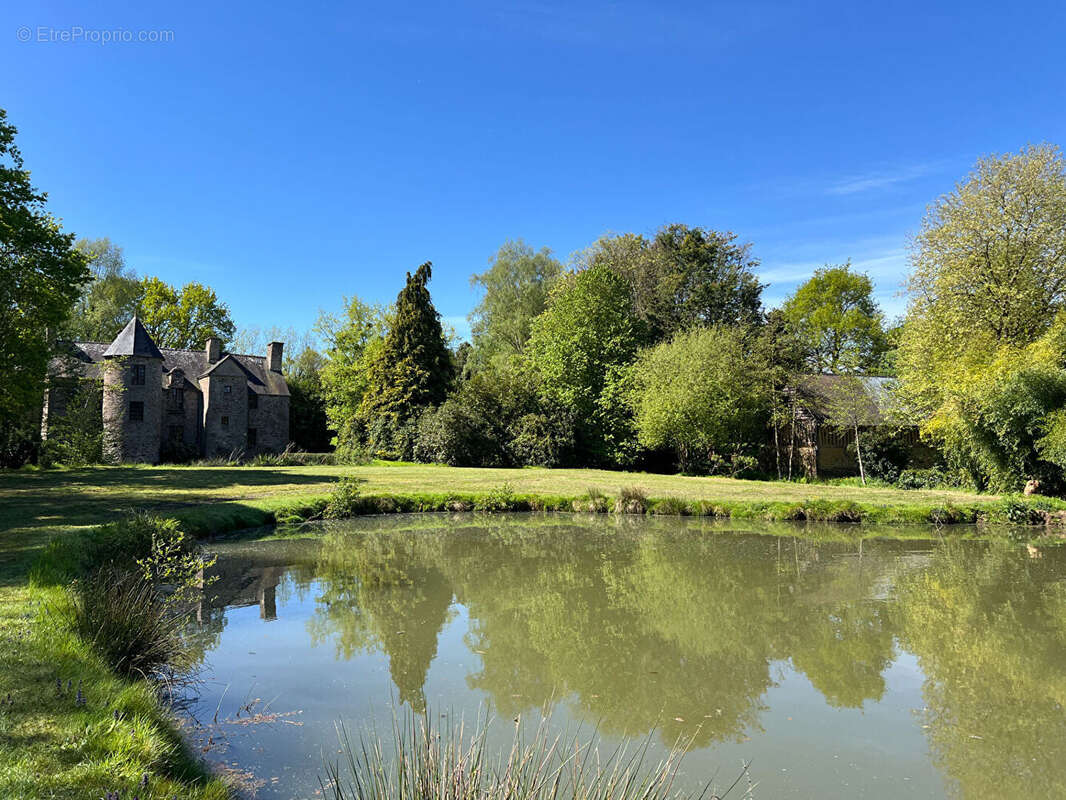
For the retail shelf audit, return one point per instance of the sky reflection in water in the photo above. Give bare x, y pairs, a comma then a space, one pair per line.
842, 669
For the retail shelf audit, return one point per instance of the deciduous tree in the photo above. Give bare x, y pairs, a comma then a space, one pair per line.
185, 317
110, 299
703, 394
835, 314
41, 275
581, 349
516, 287
989, 269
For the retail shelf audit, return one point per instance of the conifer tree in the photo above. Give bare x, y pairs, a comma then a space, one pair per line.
412, 371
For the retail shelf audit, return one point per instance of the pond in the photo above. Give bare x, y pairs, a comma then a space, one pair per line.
840, 667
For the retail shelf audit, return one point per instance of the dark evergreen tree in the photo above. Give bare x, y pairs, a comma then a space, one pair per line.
412, 371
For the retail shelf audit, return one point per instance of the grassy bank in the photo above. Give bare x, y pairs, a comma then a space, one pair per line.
37, 505
55, 743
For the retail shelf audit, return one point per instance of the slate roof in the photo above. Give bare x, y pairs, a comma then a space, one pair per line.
86, 356
815, 393
133, 340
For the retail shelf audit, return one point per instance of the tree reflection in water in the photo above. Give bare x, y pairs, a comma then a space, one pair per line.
666, 626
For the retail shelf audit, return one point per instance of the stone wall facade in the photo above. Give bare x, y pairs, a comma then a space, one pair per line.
132, 410
270, 422
225, 412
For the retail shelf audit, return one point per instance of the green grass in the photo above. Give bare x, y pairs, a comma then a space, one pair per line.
52, 747
35, 505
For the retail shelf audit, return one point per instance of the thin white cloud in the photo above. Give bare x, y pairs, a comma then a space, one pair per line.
879, 179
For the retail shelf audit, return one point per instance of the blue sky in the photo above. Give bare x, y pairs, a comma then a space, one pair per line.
292, 156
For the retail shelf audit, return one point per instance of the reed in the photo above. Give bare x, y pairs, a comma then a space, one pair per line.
422, 762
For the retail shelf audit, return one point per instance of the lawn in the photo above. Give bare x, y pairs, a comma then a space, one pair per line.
36, 505
52, 746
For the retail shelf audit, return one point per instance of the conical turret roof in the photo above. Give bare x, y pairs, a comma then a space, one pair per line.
133, 341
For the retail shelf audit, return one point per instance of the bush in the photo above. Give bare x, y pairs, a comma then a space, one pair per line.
670, 506
930, 478
76, 437
129, 623
543, 439
631, 500
455, 434
594, 501
344, 500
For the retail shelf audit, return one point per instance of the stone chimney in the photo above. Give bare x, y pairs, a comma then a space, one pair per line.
274, 350
214, 350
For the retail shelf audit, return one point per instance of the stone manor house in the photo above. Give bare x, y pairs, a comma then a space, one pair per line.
162, 403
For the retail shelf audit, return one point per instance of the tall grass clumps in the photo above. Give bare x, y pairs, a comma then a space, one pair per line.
125, 619
424, 763
631, 500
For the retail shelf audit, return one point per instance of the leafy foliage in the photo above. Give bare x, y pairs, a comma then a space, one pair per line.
684, 276
989, 271
702, 394
76, 438
516, 286
352, 342
185, 317
580, 350
496, 418
41, 274
835, 314
411, 371
110, 299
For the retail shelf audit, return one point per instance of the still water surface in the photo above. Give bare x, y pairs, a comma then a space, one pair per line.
875, 669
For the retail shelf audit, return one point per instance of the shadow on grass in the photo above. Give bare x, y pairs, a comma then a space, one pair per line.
35, 506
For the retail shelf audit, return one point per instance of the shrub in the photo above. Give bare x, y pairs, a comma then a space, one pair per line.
174, 561
118, 544
502, 498
76, 437
593, 501
344, 500
631, 500
670, 506
455, 433
129, 623
930, 478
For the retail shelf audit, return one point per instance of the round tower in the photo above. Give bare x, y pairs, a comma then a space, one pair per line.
133, 397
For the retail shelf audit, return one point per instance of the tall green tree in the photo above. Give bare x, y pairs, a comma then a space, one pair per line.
836, 316
683, 276
980, 355
185, 317
704, 395
581, 349
516, 286
352, 341
412, 370
41, 275
111, 297
988, 270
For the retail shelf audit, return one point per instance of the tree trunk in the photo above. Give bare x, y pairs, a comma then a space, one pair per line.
777, 446
792, 441
858, 455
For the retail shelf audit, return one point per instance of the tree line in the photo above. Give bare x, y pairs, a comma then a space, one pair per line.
644, 351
